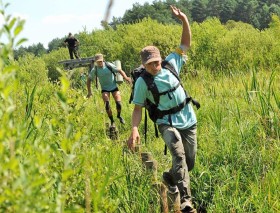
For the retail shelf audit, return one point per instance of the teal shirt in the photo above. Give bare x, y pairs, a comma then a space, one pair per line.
165, 80
106, 77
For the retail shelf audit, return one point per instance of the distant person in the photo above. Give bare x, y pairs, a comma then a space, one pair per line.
72, 43
105, 73
160, 88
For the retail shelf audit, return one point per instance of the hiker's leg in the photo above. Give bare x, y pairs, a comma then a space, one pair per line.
106, 99
76, 52
119, 108
189, 138
117, 97
179, 170
71, 53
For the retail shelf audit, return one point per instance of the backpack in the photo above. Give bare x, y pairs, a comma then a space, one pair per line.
111, 69
152, 108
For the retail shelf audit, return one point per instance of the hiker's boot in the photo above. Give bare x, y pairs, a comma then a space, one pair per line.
168, 180
113, 124
121, 120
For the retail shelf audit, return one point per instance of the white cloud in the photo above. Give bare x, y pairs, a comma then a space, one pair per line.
68, 18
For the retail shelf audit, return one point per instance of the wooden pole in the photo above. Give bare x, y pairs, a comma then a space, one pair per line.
173, 200
146, 156
151, 168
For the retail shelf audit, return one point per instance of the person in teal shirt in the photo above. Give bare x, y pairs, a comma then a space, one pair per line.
108, 85
178, 129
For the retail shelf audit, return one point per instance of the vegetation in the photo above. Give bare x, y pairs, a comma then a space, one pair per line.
256, 13
54, 152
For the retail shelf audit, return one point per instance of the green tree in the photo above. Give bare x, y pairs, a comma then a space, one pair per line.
199, 10
55, 44
21, 51
214, 8
228, 8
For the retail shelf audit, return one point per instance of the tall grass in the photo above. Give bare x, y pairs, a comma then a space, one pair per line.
55, 155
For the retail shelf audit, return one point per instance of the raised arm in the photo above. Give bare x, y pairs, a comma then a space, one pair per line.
186, 34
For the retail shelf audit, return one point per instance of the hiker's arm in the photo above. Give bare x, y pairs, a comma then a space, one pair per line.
186, 34
128, 79
136, 119
89, 87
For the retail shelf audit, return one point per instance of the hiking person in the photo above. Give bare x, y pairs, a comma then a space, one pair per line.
72, 43
174, 115
104, 71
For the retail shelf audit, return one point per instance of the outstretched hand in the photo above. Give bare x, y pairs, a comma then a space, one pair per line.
177, 12
129, 80
133, 140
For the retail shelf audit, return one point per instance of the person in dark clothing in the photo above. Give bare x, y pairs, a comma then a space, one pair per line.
72, 43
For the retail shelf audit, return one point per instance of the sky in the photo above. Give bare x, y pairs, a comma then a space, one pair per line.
50, 19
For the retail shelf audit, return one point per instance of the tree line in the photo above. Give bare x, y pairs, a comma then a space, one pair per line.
256, 13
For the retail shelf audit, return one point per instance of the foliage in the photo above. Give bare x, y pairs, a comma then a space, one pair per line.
55, 155
55, 44
32, 70
36, 49
52, 60
256, 13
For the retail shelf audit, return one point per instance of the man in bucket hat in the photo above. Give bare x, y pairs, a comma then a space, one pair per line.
104, 72
178, 126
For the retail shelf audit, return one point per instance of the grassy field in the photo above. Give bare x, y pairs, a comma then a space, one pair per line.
55, 155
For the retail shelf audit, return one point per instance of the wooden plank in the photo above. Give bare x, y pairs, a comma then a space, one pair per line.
74, 63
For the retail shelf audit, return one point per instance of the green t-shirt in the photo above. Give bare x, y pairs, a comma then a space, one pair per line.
105, 76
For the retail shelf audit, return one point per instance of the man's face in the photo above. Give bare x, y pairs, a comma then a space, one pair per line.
99, 63
153, 67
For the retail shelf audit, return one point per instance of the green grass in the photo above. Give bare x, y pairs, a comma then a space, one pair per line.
55, 155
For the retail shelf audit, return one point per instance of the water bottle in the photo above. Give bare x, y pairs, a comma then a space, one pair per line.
119, 77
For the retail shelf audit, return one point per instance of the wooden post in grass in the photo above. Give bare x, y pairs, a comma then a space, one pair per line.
114, 133
173, 200
151, 167
146, 156
161, 190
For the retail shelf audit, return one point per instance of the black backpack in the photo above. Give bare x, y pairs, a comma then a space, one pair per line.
152, 108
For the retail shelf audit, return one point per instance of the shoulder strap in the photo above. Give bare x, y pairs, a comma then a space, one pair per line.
109, 67
167, 65
96, 79
149, 80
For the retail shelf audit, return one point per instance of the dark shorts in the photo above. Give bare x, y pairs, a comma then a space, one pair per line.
112, 91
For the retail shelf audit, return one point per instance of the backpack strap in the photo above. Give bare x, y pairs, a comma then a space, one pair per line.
96, 79
167, 65
149, 80
109, 67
